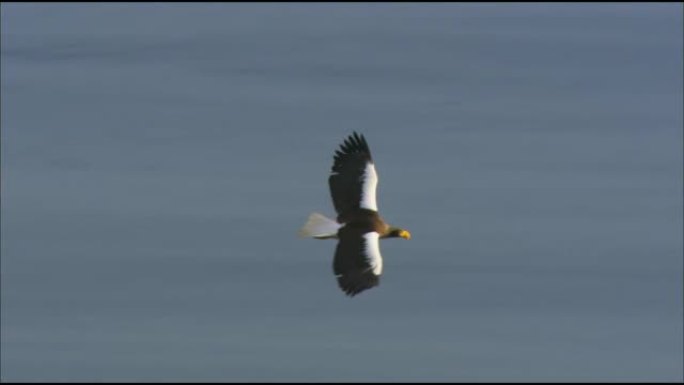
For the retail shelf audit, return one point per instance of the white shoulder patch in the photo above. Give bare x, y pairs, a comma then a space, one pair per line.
372, 249
370, 183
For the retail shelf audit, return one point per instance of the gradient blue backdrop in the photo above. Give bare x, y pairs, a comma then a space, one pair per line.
158, 160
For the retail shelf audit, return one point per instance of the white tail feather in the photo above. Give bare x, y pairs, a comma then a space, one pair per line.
318, 226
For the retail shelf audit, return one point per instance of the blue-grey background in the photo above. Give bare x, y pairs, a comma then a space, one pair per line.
158, 160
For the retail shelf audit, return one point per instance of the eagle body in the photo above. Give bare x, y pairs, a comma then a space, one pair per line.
353, 180
363, 220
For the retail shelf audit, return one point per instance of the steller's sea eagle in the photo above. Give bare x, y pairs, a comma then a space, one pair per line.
357, 263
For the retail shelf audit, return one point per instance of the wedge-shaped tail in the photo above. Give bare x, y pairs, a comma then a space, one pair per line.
320, 227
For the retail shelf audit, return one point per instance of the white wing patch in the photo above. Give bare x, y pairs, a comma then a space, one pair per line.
372, 249
370, 182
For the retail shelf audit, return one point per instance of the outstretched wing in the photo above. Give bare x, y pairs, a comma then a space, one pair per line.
353, 180
357, 263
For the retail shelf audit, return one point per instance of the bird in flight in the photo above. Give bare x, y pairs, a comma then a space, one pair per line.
358, 228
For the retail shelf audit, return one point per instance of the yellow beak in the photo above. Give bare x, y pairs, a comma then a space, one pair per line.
405, 234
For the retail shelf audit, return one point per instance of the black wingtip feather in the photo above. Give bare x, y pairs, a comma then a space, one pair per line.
353, 144
355, 283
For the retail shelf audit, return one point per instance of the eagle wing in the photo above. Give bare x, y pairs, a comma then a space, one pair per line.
357, 263
353, 180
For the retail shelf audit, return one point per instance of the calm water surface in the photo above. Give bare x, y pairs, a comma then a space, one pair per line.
158, 160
